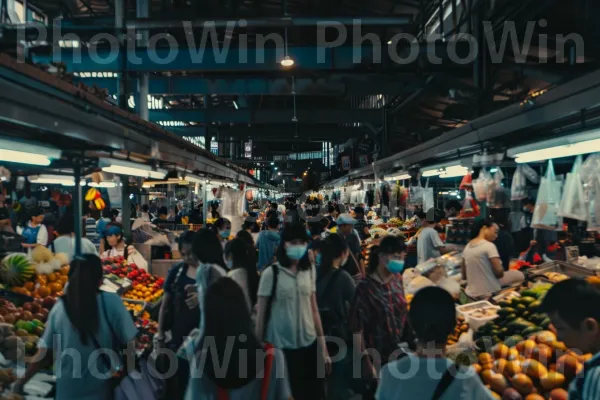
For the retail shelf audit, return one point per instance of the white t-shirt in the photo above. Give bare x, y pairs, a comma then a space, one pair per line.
285, 328
481, 280
414, 377
66, 244
42, 236
428, 243
204, 274
133, 257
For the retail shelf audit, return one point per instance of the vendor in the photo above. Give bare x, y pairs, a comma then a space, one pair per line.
34, 231
482, 266
115, 243
163, 216
452, 208
429, 243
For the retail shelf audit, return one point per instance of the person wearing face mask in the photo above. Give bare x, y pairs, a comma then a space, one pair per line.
379, 308
288, 315
482, 266
268, 242
242, 269
335, 291
222, 228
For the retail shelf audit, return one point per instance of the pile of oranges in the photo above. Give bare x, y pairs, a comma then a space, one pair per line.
145, 293
45, 285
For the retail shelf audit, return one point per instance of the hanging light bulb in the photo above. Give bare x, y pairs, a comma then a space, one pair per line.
287, 61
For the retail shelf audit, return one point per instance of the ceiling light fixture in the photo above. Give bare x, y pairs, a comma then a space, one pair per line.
400, 177
25, 153
121, 167
235, 105
54, 180
105, 184
568, 146
194, 178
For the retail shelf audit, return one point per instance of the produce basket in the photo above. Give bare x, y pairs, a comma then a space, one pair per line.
571, 270
465, 310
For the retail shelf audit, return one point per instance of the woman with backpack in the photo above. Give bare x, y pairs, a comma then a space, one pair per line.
242, 268
288, 315
244, 368
81, 323
335, 291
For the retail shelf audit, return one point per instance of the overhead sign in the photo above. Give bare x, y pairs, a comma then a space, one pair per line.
248, 149
346, 165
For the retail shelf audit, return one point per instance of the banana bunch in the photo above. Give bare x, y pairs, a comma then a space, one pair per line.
93, 195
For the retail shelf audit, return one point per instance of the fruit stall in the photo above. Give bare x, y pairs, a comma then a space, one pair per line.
512, 345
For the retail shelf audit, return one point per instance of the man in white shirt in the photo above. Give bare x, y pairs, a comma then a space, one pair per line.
429, 244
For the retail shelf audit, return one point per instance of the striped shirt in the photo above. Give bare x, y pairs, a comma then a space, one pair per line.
380, 311
90, 230
587, 384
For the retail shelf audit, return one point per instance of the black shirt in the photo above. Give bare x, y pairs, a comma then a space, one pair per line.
184, 318
506, 247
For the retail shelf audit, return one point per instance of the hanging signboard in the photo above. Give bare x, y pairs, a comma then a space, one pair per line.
346, 165
248, 149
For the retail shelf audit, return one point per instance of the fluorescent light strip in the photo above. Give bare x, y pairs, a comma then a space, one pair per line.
22, 157
105, 184
121, 167
194, 178
568, 150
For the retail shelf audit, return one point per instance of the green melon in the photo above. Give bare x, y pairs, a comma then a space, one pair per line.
16, 268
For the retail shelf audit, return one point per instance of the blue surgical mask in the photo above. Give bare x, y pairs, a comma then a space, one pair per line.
229, 264
225, 234
296, 251
318, 258
308, 233
395, 266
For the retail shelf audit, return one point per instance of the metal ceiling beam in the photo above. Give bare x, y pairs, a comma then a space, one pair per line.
333, 85
273, 132
266, 116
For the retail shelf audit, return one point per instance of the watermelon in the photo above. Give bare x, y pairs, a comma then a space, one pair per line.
16, 268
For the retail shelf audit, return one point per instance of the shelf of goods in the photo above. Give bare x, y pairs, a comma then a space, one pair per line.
518, 354
458, 230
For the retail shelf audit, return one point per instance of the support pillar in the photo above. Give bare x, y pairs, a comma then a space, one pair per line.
122, 78
126, 206
143, 11
78, 207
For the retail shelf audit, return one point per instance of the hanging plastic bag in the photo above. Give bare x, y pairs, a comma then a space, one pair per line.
498, 196
467, 182
428, 202
470, 207
415, 196
518, 187
530, 174
545, 215
572, 204
594, 205
480, 185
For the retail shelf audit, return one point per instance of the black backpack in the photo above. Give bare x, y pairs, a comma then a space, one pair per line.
332, 326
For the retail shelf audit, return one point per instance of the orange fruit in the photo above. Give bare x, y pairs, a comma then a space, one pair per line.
29, 285
64, 270
552, 380
44, 291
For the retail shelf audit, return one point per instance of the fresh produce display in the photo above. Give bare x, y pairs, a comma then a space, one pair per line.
461, 327
16, 268
397, 222
7, 377
146, 331
45, 284
136, 308
144, 286
555, 277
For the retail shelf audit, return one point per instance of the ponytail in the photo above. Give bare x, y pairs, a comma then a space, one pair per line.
81, 304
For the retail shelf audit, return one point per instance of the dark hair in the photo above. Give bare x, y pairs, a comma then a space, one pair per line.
332, 247
500, 216
432, 315
246, 237
225, 320
207, 248
248, 225
388, 245
528, 201
221, 222
66, 224
421, 215
163, 211
453, 204
242, 258
315, 228
273, 221
186, 237
114, 213
107, 227
80, 302
34, 212
290, 233
145, 208
330, 209
274, 206
478, 226
574, 300
359, 210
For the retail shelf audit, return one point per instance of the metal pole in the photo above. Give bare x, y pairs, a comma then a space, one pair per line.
442, 17
143, 11
78, 206
204, 203
119, 25
126, 206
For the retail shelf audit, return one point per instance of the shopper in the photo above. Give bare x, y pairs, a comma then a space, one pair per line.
114, 242
242, 269
504, 242
82, 322
335, 291
34, 232
345, 225
214, 207
379, 308
452, 208
247, 238
433, 317
429, 244
267, 243
361, 224
315, 227
482, 267
288, 316
248, 369
65, 242
573, 308
222, 229
211, 266
332, 213
163, 216
146, 216
179, 312
173, 214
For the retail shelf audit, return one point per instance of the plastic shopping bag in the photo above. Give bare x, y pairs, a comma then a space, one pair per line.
545, 215
572, 204
518, 188
498, 196
480, 185
530, 174
415, 196
428, 202
594, 204
470, 207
